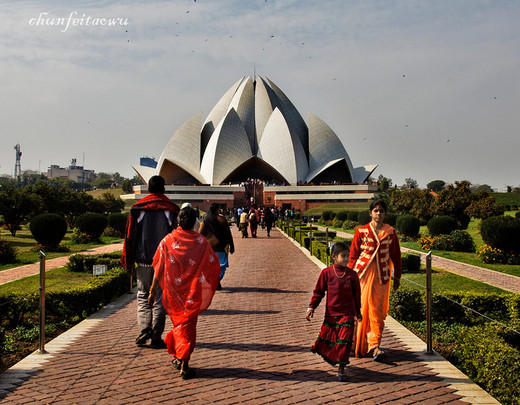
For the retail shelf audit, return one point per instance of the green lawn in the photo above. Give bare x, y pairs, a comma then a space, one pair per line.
24, 242
55, 280
443, 281
334, 207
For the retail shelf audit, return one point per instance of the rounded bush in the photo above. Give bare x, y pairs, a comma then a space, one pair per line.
327, 215
442, 225
7, 252
363, 217
390, 219
117, 221
352, 216
48, 229
342, 216
408, 225
517, 215
410, 263
92, 224
502, 232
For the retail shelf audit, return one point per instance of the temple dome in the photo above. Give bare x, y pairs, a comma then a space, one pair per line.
254, 131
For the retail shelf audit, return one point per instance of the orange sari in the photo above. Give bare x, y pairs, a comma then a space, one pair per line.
188, 271
375, 302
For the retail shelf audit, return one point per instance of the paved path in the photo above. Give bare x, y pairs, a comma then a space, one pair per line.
491, 277
6, 276
252, 347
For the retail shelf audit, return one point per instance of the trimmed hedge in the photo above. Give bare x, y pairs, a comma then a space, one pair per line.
363, 217
442, 225
408, 225
502, 232
410, 263
81, 263
77, 302
342, 216
117, 221
48, 229
352, 216
390, 219
92, 224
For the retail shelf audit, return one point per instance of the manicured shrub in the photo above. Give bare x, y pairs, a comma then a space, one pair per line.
48, 229
502, 232
390, 219
7, 252
342, 216
457, 241
408, 225
352, 216
349, 225
442, 225
488, 359
407, 305
363, 217
337, 223
491, 255
410, 263
117, 222
80, 263
92, 224
327, 215
517, 215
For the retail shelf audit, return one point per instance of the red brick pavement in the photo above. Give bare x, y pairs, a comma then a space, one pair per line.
252, 347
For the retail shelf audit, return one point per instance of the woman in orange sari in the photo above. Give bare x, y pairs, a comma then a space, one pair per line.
374, 253
188, 271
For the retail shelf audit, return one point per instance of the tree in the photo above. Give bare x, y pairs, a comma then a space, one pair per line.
384, 183
509, 189
485, 207
16, 206
127, 186
415, 202
410, 183
483, 188
453, 201
111, 203
436, 185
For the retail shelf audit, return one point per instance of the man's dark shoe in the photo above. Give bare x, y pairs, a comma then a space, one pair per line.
143, 337
158, 344
219, 286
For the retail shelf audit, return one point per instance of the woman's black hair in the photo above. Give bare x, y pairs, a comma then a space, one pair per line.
187, 218
338, 247
381, 203
156, 185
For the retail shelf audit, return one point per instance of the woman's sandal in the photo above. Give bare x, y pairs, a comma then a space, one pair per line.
176, 364
187, 374
378, 354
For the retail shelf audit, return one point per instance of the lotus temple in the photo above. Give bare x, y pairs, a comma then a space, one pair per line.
254, 146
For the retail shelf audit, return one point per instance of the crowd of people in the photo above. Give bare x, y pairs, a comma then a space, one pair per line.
179, 262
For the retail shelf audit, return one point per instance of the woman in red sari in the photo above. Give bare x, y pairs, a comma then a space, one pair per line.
188, 271
374, 254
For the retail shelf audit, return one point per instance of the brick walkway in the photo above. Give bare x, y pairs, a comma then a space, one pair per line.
6, 276
252, 347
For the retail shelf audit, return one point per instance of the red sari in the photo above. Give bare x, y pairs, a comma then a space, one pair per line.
188, 271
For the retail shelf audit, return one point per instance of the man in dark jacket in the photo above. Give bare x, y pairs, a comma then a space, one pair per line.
150, 220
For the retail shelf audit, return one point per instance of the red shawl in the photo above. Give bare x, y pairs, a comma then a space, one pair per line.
188, 272
152, 202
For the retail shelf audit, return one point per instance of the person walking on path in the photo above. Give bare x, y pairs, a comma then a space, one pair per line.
243, 223
269, 220
343, 307
215, 228
187, 270
253, 221
374, 253
150, 220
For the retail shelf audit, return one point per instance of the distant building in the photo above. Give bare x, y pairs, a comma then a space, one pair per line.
73, 172
255, 146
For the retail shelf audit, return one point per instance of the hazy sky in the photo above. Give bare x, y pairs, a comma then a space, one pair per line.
426, 89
